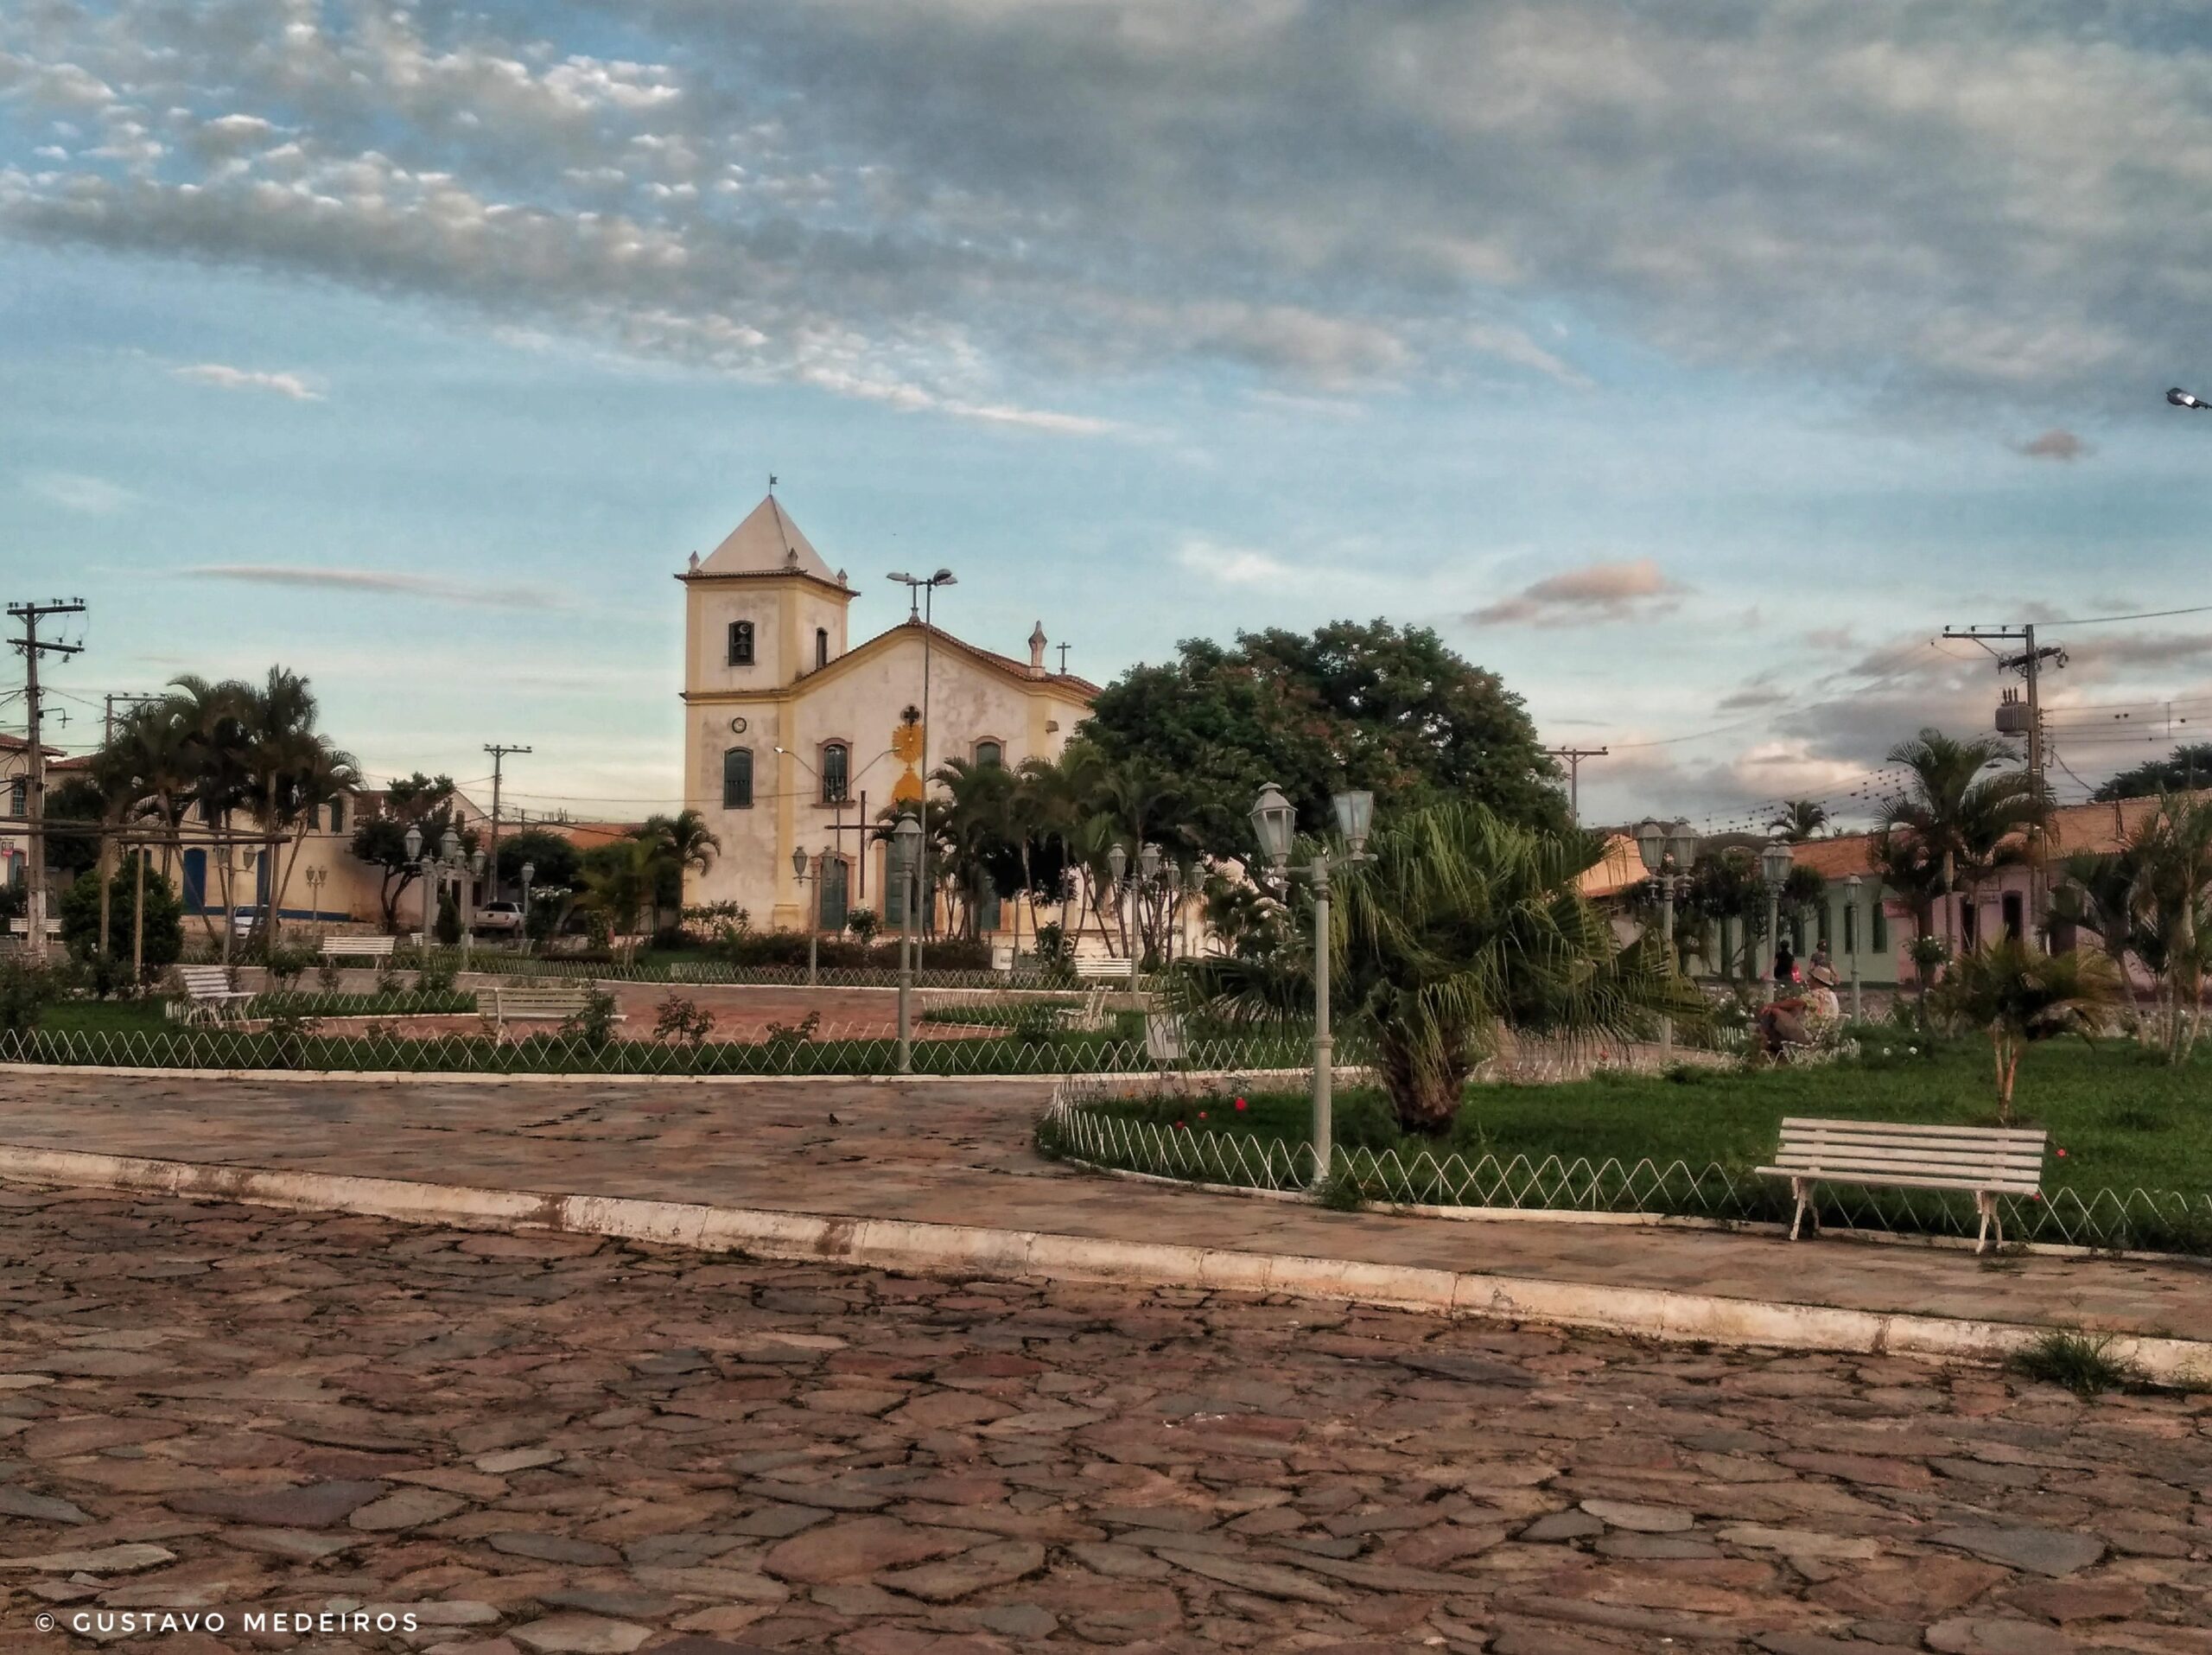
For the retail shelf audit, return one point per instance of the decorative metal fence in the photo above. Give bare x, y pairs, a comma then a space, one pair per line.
1083, 1123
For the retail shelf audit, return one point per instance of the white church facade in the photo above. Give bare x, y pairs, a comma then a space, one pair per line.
797, 739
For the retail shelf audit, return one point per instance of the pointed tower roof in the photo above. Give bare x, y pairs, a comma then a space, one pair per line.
766, 543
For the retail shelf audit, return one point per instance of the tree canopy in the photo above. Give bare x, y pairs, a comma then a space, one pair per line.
2186, 767
1389, 709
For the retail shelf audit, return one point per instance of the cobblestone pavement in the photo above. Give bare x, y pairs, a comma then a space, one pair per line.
547, 1443
956, 1151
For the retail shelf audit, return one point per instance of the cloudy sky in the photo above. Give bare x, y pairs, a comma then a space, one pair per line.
1692, 366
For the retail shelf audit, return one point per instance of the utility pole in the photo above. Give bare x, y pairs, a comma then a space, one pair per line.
107, 717
1574, 756
498, 758
29, 615
2029, 664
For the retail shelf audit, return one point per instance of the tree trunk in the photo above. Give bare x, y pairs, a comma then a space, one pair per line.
1424, 1088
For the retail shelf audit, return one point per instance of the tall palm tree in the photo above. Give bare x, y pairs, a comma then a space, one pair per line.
213, 718
1462, 928
1960, 815
1800, 819
975, 829
684, 843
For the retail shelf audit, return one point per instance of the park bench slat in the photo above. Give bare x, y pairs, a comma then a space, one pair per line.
1092, 967
357, 947
542, 1005
1989, 1161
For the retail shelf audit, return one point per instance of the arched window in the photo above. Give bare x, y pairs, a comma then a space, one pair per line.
741, 643
836, 772
822, 647
989, 753
737, 778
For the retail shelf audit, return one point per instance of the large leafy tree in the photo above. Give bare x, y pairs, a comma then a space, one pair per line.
1464, 927
2151, 901
2187, 767
426, 802
553, 860
1375, 706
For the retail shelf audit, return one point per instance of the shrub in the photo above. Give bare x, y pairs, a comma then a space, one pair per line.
329, 977
26, 990
437, 976
80, 916
448, 921
594, 1024
288, 965
289, 1029
788, 1037
682, 1021
863, 923
1034, 1023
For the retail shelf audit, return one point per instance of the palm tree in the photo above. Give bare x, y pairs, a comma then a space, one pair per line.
2021, 997
1953, 825
1462, 928
683, 843
2149, 900
212, 721
621, 881
1800, 819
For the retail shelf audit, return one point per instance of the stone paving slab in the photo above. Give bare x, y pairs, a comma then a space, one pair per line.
556, 1444
952, 1152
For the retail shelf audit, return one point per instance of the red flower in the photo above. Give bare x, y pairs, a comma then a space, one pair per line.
1240, 1103
2061, 1155
1202, 1114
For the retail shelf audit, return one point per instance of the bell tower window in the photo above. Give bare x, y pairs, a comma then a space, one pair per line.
741, 643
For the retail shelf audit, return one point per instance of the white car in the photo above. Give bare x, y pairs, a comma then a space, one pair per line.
501, 917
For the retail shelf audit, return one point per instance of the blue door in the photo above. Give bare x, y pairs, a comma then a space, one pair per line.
196, 881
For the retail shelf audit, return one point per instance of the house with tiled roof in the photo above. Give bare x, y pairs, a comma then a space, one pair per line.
796, 738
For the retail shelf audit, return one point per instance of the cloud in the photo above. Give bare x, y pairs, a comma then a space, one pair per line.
231, 378
976, 200
1595, 592
74, 492
514, 596
1237, 565
2056, 443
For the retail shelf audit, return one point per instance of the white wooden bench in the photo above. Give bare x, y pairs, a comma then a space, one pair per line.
1089, 1016
1883, 1155
208, 994
359, 947
1164, 1037
1101, 968
541, 1003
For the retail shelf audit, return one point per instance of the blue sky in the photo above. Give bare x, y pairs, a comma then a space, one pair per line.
1691, 372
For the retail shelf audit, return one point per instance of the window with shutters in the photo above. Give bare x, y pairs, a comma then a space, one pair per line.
737, 778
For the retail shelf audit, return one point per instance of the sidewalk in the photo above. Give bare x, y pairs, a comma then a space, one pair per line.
949, 1153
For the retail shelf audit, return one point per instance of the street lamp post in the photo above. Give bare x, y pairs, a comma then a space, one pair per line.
905, 840
468, 901
1667, 851
529, 874
1274, 819
814, 908
927, 588
314, 877
2181, 399
423, 863
1854, 933
1775, 864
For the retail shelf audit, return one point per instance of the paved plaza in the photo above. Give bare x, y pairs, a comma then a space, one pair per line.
958, 1152
548, 1443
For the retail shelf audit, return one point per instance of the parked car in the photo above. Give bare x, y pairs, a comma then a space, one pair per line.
500, 917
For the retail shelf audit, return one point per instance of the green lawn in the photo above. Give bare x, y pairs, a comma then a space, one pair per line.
2117, 1117
146, 1017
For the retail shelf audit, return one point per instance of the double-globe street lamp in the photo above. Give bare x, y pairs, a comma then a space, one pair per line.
814, 925
1117, 864
1274, 819
1852, 937
448, 863
1775, 864
1667, 850
906, 841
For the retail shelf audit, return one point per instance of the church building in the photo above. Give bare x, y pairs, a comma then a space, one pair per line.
797, 740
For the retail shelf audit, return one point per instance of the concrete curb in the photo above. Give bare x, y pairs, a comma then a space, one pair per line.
898, 1244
